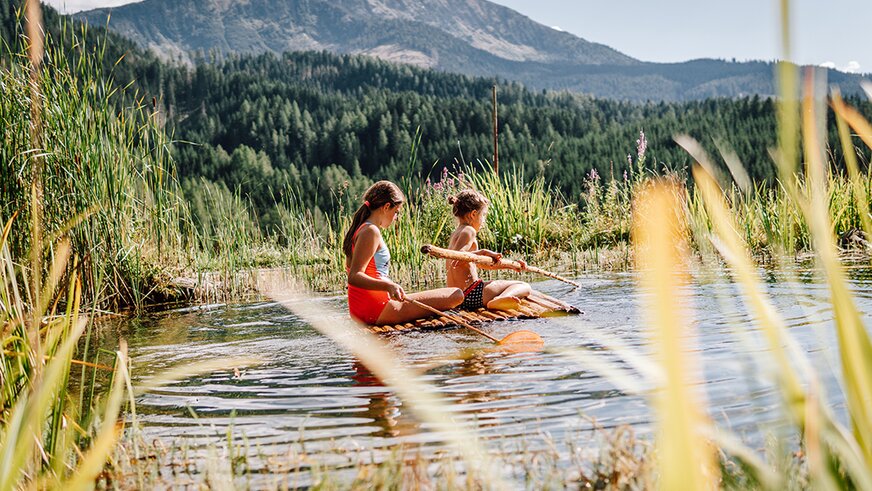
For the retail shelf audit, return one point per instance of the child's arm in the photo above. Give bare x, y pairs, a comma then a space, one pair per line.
465, 242
496, 257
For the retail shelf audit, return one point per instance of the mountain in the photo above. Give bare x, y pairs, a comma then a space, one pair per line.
448, 34
472, 37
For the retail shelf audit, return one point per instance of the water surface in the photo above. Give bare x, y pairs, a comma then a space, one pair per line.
309, 396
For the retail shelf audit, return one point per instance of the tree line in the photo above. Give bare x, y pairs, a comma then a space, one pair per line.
313, 123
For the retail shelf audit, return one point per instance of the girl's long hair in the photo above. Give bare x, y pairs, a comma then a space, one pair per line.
378, 195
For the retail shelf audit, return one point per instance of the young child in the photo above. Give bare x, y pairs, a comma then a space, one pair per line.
372, 297
470, 208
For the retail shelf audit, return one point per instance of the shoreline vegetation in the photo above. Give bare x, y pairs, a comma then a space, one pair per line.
145, 238
95, 220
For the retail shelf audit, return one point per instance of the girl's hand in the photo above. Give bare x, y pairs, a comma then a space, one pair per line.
522, 265
395, 292
496, 256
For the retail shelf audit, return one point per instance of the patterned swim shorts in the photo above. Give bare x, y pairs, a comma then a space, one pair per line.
473, 297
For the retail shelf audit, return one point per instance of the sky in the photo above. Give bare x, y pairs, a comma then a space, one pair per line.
832, 32
825, 32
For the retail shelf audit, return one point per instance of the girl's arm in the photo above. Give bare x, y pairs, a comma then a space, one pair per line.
464, 241
364, 249
496, 257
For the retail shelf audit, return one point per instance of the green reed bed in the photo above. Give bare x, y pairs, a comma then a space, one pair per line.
773, 225
106, 173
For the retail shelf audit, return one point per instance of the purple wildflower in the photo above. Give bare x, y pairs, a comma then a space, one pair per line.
641, 145
594, 175
629, 159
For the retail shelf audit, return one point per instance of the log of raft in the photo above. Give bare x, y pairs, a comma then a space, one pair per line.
536, 305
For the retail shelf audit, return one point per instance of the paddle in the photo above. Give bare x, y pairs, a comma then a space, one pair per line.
517, 337
469, 257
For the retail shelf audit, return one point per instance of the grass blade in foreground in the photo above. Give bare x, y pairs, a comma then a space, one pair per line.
686, 460
854, 343
810, 421
421, 397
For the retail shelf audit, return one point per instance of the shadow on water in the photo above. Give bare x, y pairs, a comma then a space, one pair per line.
309, 396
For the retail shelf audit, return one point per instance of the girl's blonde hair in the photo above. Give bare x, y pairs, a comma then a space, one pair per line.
378, 195
467, 201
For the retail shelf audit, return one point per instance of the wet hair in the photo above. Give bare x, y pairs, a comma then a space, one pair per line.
378, 195
467, 201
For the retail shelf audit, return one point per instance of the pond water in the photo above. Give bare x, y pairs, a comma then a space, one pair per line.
309, 396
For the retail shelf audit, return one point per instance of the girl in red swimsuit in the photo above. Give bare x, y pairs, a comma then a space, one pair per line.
373, 298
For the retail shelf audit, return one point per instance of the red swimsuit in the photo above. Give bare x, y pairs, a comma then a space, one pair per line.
367, 305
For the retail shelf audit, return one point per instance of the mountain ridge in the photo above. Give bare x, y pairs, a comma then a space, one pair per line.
472, 37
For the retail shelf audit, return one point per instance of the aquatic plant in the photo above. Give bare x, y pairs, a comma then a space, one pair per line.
92, 162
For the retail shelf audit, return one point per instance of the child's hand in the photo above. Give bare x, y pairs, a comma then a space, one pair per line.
496, 256
522, 265
395, 292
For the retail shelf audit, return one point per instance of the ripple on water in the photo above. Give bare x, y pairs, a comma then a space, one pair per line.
306, 391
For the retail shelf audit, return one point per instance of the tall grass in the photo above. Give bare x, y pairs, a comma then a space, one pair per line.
686, 459
47, 437
98, 190
837, 458
100, 173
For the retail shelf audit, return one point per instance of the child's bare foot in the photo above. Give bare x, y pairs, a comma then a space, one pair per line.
504, 303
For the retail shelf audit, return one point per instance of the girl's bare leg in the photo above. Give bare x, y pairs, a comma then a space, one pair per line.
440, 299
505, 294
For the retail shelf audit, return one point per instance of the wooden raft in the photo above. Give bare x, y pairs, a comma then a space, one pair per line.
536, 305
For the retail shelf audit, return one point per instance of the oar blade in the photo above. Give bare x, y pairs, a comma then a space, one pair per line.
522, 341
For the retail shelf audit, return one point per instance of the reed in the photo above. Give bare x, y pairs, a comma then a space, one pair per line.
92, 162
48, 436
685, 458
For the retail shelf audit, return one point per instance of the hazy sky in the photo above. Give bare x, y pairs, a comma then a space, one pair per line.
825, 31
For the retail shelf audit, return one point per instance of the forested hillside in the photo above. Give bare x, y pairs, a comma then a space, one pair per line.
308, 123
315, 118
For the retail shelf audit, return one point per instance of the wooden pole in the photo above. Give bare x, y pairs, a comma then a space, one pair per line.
469, 257
456, 320
496, 145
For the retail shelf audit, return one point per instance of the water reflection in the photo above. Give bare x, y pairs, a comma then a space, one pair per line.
384, 408
309, 395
